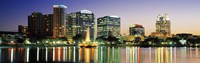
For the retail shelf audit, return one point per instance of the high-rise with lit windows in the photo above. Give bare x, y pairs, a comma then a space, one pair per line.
36, 27
48, 23
78, 22
163, 25
108, 25
39, 25
59, 22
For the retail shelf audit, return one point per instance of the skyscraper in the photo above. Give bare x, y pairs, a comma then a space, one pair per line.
40, 25
48, 23
108, 25
136, 29
163, 25
78, 22
36, 26
59, 23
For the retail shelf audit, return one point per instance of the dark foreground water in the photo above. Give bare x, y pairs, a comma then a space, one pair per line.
100, 54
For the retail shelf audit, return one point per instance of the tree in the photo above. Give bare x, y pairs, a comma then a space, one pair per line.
175, 41
112, 39
77, 38
101, 39
137, 40
19, 40
198, 41
192, 41
144, 44
64, 39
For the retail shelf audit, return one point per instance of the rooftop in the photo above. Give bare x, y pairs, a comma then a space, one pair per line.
136, 26
86, 11
114, 16
59, 6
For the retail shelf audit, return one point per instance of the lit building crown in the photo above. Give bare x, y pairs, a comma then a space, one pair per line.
166, 17
59, 6
163, 25
115, 16
136, 26
162, 17
86, 11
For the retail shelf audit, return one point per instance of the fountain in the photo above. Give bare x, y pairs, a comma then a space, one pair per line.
87, 38
87, 42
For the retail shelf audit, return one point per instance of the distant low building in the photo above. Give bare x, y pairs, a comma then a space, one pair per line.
23, 29
136, 34
184, 35
8, 37
137, 30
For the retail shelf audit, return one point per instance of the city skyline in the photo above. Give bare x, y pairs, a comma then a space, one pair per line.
143, 12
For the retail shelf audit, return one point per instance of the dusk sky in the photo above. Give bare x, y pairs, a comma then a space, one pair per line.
184, 14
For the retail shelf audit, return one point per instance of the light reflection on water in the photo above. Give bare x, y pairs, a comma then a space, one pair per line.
100, 54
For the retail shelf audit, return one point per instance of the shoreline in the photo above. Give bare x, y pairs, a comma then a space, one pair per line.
63, 45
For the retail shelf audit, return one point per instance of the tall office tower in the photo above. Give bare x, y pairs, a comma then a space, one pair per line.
23, 29
59, 22
108, 25
78, 22
163, 25
48, 23
36, 25
136, 30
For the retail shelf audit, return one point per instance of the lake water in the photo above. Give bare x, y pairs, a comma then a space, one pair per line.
100, 54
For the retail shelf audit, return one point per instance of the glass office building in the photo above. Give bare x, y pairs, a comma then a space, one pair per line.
108, 25
59, 22
78, 22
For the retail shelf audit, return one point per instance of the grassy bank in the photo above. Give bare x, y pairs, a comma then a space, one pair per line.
63, 45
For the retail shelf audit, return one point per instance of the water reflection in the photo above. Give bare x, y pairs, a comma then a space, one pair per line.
109, 55
100, 54
162, 55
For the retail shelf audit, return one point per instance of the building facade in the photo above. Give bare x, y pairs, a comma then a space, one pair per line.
78, 22
39, 25
59, 22
163, 25
48, 23
108, 25
36, 26
23, 29
136, 30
